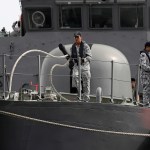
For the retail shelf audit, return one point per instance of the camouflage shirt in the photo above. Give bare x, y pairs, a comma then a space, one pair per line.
145, 63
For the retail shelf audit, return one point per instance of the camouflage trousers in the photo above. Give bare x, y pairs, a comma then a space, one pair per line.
145, 80
85, 77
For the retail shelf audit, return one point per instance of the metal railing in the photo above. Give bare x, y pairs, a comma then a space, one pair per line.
112, 78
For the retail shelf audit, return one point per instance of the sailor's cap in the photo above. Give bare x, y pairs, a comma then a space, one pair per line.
147, 44
77, 34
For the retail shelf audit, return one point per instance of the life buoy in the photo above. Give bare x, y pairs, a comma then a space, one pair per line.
38, 18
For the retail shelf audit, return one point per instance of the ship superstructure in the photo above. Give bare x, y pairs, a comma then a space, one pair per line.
123, 24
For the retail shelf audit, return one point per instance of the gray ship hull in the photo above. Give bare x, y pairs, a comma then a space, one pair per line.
73, 125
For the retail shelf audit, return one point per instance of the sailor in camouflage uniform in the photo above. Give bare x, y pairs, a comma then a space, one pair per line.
145, 73
81, 48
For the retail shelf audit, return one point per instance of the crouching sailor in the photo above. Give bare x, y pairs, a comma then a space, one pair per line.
81, 50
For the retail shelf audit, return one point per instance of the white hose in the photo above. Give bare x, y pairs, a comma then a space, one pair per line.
51, 81
25, 53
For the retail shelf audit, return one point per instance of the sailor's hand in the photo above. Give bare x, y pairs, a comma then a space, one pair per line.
83, 60
71, 64
67, 57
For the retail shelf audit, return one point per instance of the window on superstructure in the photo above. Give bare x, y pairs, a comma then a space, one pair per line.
39, 18
131, 17
130, 1
70, 17
69, 1
100, 17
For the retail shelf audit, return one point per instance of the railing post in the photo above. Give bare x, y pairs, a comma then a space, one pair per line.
4, 75
39, 69
112, 81
79, 64
138, 83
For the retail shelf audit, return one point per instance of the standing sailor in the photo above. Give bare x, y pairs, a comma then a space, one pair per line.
145, 73
16, 27
81, 50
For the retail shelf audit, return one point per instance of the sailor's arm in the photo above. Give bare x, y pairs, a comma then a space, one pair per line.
14, 25
16, 29
143, 62
87, 53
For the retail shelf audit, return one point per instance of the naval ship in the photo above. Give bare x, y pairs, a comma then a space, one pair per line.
38, 105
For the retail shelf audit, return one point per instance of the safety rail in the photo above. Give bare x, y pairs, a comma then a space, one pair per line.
6, 74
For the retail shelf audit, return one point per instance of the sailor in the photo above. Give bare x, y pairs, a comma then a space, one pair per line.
145, 73
16, 28
81, 49
3, 32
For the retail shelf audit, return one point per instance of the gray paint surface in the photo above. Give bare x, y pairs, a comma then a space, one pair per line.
101, 71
